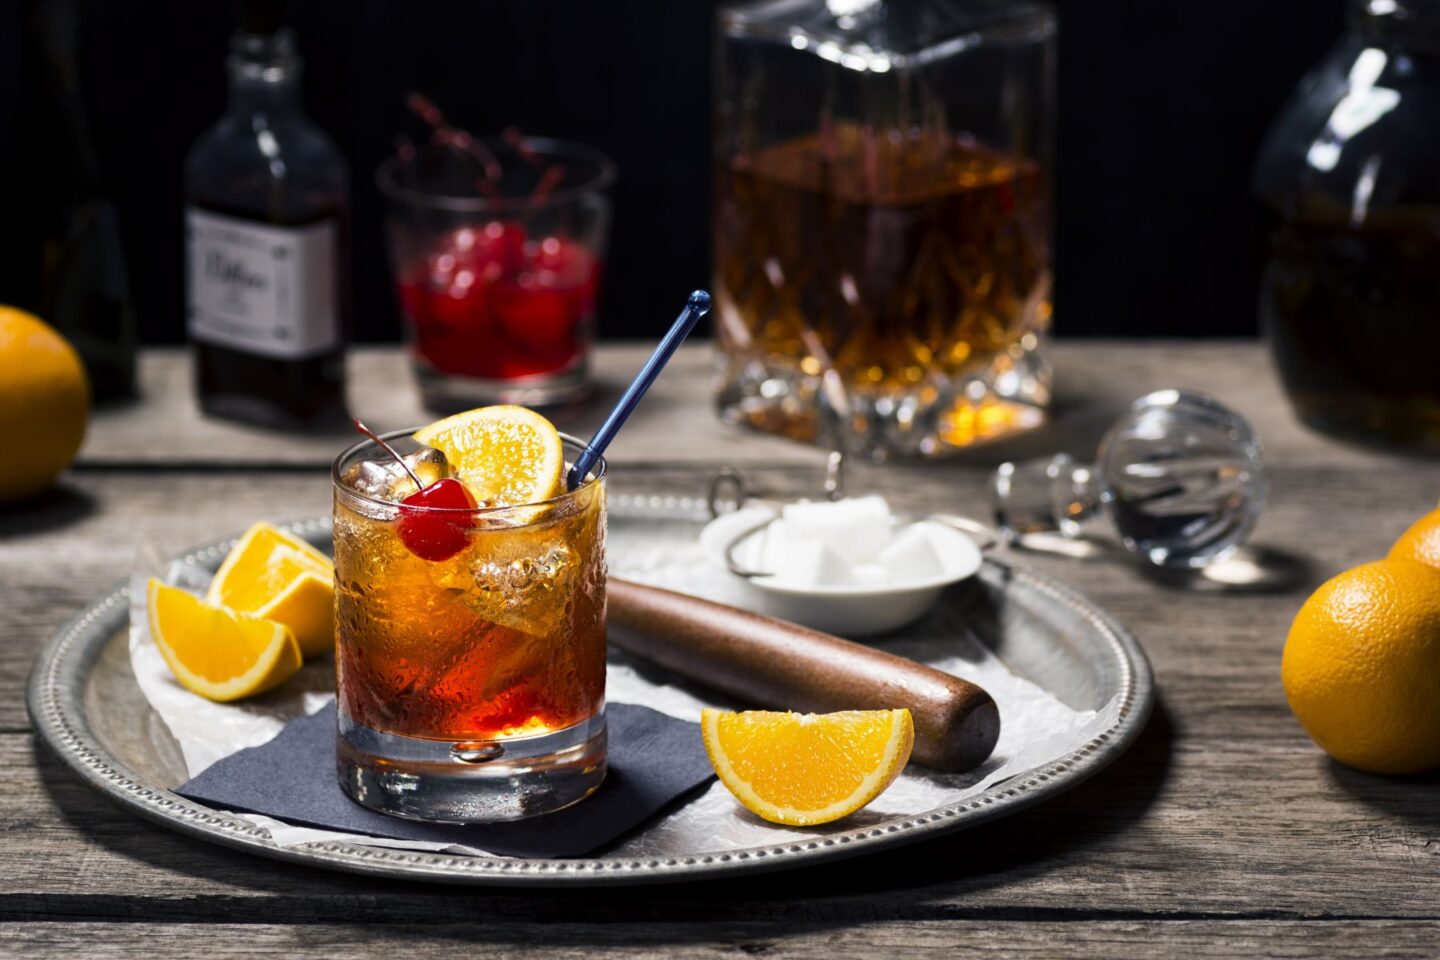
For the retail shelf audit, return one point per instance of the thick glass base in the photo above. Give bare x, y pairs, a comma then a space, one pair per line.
936, 416
448, 393
482, 781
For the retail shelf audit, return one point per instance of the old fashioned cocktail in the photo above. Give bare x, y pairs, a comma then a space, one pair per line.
470, 647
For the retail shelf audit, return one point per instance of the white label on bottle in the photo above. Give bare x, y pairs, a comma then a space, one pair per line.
262, 289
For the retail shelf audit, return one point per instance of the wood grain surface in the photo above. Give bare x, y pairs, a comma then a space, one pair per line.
1222, 832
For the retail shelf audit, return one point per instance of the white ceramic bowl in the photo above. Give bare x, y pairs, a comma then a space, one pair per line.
846, 611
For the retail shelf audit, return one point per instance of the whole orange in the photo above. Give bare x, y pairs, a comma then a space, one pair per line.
44, 403
1420, 542
1362, 667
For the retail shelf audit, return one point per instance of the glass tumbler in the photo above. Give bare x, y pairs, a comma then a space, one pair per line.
470, 688
498, 286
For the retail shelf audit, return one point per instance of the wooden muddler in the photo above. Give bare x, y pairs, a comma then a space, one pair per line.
777, 664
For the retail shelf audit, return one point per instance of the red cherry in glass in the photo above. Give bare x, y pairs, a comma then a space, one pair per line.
436, 536
464, 306
565, 258
539, 317
573, 269
500, 243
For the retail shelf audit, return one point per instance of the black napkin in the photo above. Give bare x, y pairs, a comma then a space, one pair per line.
654, 759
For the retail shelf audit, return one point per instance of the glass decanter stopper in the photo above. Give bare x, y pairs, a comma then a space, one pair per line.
1179, 476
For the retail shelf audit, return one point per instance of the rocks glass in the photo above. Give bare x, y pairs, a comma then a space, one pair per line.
497, 275
471, 688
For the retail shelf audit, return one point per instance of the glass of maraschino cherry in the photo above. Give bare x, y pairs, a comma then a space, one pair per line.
496, 247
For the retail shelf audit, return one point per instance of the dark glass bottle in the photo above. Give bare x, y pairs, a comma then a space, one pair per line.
1349, 185
84, 277
266, 244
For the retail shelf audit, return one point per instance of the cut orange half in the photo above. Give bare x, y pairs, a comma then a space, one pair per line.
805, 769
505, 455
215, 652
275, 575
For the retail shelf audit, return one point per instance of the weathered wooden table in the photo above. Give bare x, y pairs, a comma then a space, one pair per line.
1223, 832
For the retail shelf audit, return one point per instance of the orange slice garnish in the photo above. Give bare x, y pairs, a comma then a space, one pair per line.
505, 455
805, 769
215, 652
275, 575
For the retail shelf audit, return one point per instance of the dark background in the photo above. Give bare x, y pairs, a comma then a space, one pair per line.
1161, 110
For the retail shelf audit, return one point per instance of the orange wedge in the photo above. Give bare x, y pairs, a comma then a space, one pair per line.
218, 653
505, 455
277, 576
804, 769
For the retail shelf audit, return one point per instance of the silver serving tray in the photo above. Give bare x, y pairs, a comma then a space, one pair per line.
86, 706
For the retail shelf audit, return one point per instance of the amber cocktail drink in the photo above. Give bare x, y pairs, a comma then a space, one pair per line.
470, 644
910, 266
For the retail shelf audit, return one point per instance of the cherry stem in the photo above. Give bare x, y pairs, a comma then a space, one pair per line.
517, 142
445, 134
548, 181
550, 174
455, 138
388, 449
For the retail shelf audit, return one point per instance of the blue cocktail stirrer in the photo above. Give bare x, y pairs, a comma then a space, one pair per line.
695, 307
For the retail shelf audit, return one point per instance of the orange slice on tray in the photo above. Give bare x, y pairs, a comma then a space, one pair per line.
215, 652
805, 769
275, 575
505, 455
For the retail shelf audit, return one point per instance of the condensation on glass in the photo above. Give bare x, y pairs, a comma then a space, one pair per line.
469, 688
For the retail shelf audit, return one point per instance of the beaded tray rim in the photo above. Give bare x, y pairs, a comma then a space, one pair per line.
55, 699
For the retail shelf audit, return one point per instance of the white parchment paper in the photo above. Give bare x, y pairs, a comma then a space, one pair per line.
1036, 728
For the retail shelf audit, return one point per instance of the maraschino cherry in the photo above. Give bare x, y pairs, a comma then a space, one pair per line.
426, 533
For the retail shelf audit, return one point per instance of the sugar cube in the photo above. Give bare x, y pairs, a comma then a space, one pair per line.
858, 529
810, 563
912, 557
